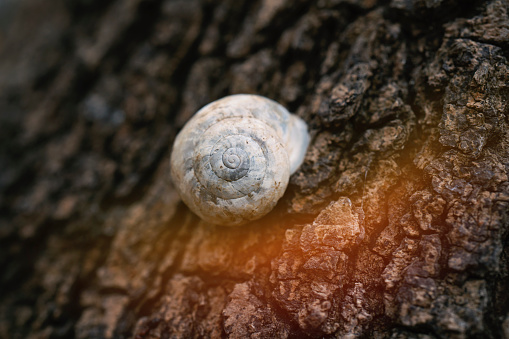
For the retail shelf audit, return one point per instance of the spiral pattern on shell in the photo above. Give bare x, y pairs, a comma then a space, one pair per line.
230, 163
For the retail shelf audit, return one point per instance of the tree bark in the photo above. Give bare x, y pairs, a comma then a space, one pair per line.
395, 226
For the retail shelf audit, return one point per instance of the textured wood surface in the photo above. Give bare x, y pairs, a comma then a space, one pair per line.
395, 226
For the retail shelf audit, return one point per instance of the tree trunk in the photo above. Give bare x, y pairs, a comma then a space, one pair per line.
395, 226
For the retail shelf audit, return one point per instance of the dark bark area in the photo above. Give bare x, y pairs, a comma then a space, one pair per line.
395, 226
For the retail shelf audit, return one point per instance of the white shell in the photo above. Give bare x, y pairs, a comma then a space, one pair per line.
232, 160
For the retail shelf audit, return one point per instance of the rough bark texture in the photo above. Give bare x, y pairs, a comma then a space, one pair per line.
395, 226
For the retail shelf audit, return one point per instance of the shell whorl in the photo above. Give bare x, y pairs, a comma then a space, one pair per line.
231, 162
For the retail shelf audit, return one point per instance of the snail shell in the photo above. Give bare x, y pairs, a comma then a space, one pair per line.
232, 160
